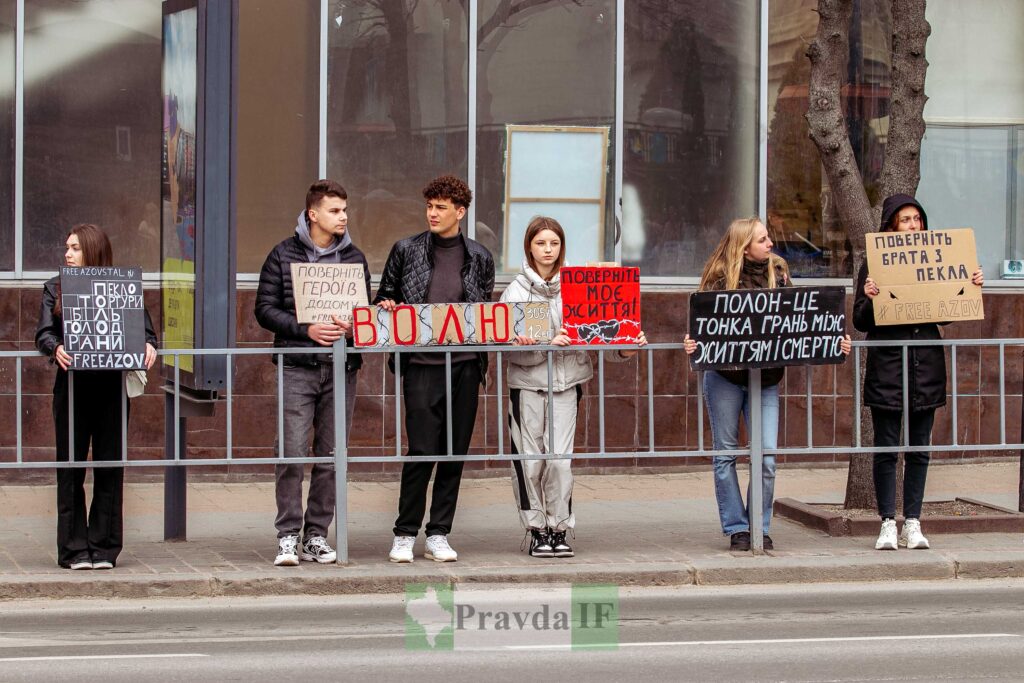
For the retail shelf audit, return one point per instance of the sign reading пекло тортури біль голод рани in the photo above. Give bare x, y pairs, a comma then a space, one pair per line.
762, 328
104, 318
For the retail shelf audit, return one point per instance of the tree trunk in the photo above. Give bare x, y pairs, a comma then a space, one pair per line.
901, 168
829, 53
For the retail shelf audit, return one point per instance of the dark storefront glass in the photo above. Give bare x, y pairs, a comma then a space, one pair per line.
550, 65
690, 147
8, 9
396, 111
92, 127
278, 114
801, 217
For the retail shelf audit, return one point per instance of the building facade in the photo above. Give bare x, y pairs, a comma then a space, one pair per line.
699, 107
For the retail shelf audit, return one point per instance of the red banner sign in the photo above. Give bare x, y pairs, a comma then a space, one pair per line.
601, 305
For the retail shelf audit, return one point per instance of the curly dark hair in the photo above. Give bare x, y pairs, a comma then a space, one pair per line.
449, 187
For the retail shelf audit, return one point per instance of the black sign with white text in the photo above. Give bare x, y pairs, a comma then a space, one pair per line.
763, 328
104, 318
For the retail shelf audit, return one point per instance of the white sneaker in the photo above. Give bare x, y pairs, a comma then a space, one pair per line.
316, 549
401, 549
287, 552
911, 536
438, 549
887, 536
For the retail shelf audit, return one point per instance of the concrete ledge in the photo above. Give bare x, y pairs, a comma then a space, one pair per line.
725, 571
1002, 520
875, 567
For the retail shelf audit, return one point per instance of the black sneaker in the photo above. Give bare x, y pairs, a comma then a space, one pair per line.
768, 544
540, 546
740, 541
559, 546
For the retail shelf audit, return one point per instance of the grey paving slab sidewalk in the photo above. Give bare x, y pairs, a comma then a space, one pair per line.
650, 529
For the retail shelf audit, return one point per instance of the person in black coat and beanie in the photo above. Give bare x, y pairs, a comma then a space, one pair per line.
93, 541
883, 390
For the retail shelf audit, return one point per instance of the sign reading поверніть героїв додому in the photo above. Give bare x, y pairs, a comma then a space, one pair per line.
104, 318
325, 289
924, 276
762, 328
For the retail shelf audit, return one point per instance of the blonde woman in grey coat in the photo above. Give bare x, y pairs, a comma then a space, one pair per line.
543, 488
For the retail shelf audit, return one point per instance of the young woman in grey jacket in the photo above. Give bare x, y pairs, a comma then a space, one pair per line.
543, 488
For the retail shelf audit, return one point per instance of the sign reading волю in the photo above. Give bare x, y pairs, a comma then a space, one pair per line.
601, 304
764, 328
325, 289
447, 324
924, 277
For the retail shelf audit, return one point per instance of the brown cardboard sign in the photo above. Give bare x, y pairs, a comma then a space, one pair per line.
447, 324
924, 277
326, 289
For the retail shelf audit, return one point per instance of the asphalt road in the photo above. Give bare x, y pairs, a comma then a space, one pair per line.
872, 632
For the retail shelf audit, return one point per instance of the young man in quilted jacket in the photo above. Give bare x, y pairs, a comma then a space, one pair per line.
439, 265
321, 236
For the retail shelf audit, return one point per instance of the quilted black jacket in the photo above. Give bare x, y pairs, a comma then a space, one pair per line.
410, 266
275, 302
50, 330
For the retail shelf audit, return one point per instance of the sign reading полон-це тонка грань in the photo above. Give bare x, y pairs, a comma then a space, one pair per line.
104, 318
924, 277
763, 328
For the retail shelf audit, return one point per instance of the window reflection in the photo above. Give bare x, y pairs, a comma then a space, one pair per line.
8, 9
690, 157
92, 126
545, 63
396, 111
802, 219
278, 114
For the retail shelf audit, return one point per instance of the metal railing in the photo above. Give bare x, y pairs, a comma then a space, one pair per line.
339, 354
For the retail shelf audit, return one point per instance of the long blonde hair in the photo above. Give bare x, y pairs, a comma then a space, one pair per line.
726, 261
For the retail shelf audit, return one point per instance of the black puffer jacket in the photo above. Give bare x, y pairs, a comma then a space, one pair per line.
410, 266
275, 301
50, 330
883, 377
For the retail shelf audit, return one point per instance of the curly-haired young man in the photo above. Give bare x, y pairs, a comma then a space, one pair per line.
440, 265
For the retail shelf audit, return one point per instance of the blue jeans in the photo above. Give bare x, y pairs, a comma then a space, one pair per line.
725, 402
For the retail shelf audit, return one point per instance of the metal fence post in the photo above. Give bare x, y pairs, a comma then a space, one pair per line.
340, 451
755, 500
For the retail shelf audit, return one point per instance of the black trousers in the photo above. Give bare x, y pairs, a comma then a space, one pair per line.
423, 387
97, 421
888, 426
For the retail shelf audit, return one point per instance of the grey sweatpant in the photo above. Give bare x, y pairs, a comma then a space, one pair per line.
309, 405
543, 488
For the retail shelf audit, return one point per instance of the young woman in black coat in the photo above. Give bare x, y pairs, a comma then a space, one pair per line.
883, 390
93, 541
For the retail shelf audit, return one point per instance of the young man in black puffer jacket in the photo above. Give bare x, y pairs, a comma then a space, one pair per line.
440, 265
321, 236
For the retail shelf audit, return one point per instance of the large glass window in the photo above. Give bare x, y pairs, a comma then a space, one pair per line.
546, 64
92, 127
690, 119
972, 149
278, 114
801, 215
396, 115
8, 11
